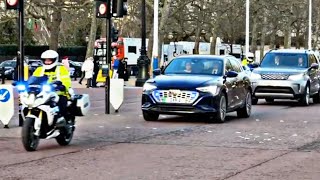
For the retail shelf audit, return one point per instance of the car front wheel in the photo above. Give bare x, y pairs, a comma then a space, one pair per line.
222, 109
305, 99
150, 116
245, 111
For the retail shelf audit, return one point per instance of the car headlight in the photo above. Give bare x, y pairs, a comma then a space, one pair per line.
149, 87
211, 89
296, 77
255, 76
7, 72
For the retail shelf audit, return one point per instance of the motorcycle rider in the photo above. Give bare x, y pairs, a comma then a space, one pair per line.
56, 73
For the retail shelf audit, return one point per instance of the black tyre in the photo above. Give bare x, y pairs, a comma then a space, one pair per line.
29, 140
150, 116
66, 134
245, 111
64, 138
222, 109
305, 100
316, 98
269, 100
254, 101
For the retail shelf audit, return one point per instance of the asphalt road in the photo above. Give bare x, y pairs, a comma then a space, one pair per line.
279, 141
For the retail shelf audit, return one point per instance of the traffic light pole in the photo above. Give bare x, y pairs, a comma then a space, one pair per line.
20, 57
108, 60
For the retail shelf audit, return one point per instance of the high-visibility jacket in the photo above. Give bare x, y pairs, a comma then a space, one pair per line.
60, 73
245, 62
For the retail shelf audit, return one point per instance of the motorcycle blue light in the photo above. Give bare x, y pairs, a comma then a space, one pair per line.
46, 88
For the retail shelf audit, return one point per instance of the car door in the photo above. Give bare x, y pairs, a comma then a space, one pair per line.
230, 84
314, 75
240, 82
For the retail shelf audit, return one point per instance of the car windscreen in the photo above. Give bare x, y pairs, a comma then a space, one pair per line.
202, 66
284, 60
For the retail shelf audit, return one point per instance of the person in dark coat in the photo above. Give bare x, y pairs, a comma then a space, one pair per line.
122, 70
96, 69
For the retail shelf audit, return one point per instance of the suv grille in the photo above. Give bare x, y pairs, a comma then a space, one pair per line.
175, 96
275, 76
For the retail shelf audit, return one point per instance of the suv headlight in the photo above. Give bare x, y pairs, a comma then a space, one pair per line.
255, 76
211, 89
296, 77
149, 87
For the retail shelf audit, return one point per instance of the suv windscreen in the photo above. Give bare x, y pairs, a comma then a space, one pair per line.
284, 60
204, 66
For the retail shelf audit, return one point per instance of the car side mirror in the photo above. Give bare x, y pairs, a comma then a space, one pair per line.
314, 66
231, 74
157, 72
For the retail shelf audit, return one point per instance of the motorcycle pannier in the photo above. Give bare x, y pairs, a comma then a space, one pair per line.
80, 105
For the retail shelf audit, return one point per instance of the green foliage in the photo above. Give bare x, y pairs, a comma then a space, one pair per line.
9, 33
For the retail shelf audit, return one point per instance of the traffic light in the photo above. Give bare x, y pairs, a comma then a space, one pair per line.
102, 9
119, 8
12, 4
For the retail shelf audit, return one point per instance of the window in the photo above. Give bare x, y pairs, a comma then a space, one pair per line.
132, 49
204, 66
235, 65
312, 59
284, 60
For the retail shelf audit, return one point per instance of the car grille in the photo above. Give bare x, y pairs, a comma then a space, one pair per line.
175, 96
275, 76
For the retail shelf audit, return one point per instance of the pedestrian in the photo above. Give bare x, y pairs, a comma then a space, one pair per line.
122, 70
115, 68
87, 68
96, 69
65, 62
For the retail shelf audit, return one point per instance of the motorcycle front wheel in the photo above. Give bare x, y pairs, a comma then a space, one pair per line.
29, 140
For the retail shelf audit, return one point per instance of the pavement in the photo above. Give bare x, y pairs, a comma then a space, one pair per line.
279, 141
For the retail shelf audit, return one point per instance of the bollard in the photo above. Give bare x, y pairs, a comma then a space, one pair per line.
3, 77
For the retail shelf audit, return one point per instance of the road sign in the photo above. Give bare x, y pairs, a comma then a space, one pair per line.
102, 8
116, 93
6, 104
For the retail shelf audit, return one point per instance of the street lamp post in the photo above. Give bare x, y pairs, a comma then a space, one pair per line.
310, 25
143, 60
172, 36
247, 27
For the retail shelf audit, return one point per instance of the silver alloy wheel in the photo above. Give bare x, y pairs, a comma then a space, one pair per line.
248, 103
223, 108
307, 96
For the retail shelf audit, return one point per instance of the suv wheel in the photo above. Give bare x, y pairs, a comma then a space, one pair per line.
222, 109
254, 101
150, 116
269, 100
305, 99
316, 98
245, 111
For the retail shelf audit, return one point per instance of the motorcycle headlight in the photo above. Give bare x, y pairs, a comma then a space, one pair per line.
149, 87
21, 87
255, 76
46, 88
211, 89
296, 77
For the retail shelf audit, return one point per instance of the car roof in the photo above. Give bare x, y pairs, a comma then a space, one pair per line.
199, 56
293, 51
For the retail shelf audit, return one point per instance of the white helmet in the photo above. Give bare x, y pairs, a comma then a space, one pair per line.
50, 54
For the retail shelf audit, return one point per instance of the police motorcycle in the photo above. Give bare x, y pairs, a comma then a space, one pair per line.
40, 112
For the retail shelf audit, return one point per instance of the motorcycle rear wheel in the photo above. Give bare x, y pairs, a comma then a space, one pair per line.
64, 138
29, 140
